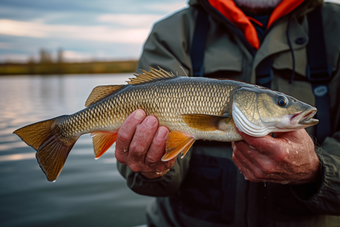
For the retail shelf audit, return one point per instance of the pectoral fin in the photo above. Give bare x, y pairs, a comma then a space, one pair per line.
102, 141
176, 143
204, 122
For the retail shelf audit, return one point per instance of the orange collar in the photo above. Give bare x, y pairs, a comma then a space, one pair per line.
235, 15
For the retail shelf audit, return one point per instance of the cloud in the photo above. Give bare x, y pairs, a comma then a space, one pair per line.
82, 28
131, 20
75, 55
142, 20
18, 28
94, 33
6, 45
169, 7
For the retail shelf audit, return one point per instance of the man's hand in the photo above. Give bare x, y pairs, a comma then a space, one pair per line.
141, 144
289, 158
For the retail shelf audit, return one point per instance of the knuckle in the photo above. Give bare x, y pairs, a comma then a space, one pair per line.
281, 156
119, 158
161, 168
135, 168
123, 137
267, 169
136, 148
259, 174
152, 162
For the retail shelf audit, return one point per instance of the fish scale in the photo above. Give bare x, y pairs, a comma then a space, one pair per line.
177, 96
191, 108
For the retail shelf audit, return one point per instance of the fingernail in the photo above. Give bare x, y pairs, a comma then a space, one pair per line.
139, 114
162, 133
151, 121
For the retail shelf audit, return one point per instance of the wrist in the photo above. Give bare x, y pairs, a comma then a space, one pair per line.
316, 170
308, 190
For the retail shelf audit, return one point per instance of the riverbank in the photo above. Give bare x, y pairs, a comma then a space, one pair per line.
50, 68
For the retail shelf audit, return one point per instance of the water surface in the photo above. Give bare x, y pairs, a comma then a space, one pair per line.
87, 192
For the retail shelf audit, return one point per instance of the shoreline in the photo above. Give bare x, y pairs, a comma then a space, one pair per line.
62, 68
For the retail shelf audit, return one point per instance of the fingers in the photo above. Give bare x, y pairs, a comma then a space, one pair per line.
141, 144
242, 164
255, 166
157, 147
142, 138
127, 130
246, 159
264, 145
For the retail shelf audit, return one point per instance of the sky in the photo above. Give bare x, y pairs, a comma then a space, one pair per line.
83, 29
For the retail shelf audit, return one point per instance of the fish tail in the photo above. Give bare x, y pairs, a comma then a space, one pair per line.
52, 151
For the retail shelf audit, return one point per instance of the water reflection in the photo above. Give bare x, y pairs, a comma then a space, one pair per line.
87, 192
17, 157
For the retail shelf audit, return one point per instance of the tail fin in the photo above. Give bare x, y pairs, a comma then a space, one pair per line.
51, 151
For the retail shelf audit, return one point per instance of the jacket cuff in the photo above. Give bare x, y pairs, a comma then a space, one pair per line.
307, 192
321, 196
166, 185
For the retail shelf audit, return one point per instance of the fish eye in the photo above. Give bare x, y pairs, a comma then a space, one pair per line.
282, 101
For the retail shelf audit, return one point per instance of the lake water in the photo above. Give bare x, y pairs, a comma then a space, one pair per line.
88, 192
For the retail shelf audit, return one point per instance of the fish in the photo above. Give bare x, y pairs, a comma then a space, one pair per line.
192, 108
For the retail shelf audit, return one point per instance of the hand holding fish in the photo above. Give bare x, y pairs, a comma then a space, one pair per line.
288, 158
141, 144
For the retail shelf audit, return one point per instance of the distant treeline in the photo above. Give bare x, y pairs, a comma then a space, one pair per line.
60, 67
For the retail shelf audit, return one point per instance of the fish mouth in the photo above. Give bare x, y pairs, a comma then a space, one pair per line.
305, 117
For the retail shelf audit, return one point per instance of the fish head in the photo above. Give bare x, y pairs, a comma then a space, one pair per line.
258, 111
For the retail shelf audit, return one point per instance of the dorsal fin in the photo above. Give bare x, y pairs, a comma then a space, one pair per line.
146, 77
100, 92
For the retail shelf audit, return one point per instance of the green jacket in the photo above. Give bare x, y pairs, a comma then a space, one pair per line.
184, 194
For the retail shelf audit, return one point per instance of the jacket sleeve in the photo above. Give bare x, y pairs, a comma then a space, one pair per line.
159, 51
323, 197
163, 186
167, 45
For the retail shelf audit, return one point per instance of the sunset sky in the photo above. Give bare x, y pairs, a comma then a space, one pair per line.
84, 29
